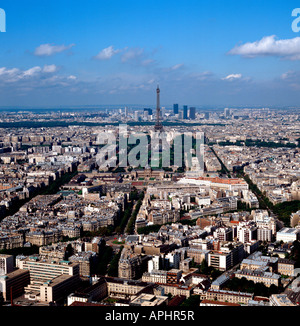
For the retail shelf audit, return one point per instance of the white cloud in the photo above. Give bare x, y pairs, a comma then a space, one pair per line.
71, 77
175, 67
107, 53
32, 71
9, 75
135, 56
270, 46
34, 77
46, 50
10, 72
50, 68
232, 77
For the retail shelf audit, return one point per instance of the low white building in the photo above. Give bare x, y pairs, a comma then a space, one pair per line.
287, 234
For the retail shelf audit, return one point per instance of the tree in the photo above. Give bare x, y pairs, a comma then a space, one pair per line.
113, 268
203, 268
192, 301
118, 230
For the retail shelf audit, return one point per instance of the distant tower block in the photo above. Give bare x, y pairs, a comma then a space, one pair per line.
158, 124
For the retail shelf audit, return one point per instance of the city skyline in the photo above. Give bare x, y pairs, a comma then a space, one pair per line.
200, 53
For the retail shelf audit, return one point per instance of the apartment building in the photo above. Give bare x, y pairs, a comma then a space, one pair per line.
58, 288
246, 232
11, 240
286, 266
43, 237
227, 296
43, 272
123, 288
228, 255
161, 276
251, 264
173, 276
13, 283
223, 234
155, 276
259, 276
87, 261
177, 289
259, 262
198, 255
6, 264
131, 264
220, 260
264, 234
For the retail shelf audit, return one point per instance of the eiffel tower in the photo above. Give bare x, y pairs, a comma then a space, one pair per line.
158, 124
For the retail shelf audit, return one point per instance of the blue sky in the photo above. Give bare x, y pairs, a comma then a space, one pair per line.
98, 52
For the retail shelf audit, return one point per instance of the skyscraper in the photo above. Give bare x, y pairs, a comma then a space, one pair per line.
148, 110
136, 115
226, 112
147, 113
192, 113
158, 125
185, 112
175, 108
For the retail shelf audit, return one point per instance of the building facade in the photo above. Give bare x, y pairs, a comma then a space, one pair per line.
43, 272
